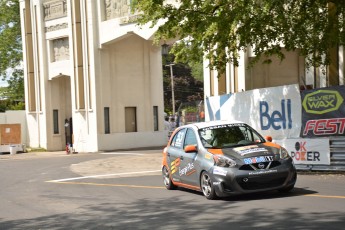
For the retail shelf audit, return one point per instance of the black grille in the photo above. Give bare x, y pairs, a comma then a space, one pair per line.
248, 167
275, 164
262, 182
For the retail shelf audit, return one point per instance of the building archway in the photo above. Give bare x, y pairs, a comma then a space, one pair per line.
61, 107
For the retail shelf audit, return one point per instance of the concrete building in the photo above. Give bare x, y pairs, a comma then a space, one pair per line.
291, 70
92, 77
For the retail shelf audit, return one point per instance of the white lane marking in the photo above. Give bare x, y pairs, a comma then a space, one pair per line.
104, 175
117, 153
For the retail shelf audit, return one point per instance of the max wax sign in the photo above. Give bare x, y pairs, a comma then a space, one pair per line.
308, 151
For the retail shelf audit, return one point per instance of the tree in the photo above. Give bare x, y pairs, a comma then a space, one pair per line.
188, 82
220, 29
11, 55
186, 87
197, 69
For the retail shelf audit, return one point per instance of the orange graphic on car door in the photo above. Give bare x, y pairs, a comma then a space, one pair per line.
174, 165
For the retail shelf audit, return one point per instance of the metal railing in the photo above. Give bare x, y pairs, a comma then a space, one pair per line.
337, 151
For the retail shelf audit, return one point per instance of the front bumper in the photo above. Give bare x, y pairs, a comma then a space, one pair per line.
233, 181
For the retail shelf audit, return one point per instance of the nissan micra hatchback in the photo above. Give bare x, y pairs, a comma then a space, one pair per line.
223, 158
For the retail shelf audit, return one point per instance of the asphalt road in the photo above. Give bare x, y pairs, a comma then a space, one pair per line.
124, 190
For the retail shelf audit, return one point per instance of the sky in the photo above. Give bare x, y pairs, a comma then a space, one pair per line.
3, 83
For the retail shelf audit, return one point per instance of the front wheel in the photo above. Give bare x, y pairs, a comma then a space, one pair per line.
167, 180
207, 188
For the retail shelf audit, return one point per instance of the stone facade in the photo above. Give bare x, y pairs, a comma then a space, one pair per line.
61, 49
116, 8
55, 9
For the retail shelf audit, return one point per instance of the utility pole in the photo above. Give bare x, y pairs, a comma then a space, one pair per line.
172, 87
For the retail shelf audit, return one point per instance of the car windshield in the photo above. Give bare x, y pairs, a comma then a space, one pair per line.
229, 135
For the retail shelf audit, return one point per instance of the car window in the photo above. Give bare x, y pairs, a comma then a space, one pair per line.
190, 138
250, 135
227, 136
230, 135
177, 140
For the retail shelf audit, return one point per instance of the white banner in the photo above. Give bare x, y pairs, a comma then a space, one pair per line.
272, 111
307, 151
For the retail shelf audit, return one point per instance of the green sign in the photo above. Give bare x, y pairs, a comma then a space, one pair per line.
322, 101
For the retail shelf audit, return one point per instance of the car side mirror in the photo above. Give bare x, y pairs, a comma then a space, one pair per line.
190, 149
268, 138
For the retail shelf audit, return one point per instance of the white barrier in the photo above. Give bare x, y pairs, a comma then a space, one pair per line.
274, 111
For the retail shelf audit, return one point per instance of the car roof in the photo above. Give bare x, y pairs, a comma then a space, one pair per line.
201, 125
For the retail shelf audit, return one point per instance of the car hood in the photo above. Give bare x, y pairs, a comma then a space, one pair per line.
256, 150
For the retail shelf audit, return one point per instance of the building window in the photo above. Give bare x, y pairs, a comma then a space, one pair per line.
155, 118
56, 121
131, 119
106, 120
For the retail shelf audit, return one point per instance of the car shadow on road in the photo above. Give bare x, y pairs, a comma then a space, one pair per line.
260, 195
178, 212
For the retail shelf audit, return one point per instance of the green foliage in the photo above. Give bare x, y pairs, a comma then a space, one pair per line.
190, 109
197, 70
11, 54
221, 28
186, 87
8, 102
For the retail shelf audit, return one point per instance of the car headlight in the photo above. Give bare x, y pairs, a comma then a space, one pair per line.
284, 154
223, 161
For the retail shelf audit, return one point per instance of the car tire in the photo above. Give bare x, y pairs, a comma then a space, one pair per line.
167, 179
207, 187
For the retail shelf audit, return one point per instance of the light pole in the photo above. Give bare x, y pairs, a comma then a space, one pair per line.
165, 52
172, 88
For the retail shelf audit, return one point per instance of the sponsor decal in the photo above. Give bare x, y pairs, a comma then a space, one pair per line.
323, 112
174, 165
249, 149
219, 171
222, 126
301, 153
325, 126
308, 151
260, 159
322, 101
179, 139
187, 170
277, 119
263, 172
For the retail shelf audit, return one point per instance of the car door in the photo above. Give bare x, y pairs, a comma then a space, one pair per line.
174, 153
188, 161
